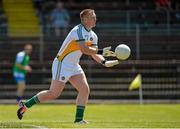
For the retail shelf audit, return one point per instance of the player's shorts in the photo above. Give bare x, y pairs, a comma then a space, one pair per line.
62, 71
19, 77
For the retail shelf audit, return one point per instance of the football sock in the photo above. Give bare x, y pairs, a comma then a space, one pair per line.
32, 101
79, 113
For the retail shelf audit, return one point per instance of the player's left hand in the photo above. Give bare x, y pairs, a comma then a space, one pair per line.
111, 63
28, 68
107, 52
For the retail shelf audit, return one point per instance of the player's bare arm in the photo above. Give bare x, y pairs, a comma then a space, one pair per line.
85, 49
107, 63
26, 68
90, 50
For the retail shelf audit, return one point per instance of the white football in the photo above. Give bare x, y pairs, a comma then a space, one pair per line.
122, 52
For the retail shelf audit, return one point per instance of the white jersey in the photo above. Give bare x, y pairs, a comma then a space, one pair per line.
69, 51
20, 56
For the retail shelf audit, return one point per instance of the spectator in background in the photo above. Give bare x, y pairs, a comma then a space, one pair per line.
60, 19
176, 5
38, 4
142, 20
163, 5
45, 20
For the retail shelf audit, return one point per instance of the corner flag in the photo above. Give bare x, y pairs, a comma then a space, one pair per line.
136, 83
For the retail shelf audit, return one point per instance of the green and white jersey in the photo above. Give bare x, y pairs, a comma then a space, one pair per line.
23, 59
70, 51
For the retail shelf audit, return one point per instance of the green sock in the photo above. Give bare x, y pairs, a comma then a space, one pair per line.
32, 101
79, 113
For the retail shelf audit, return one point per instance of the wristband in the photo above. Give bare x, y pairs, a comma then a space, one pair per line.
100, 51
103, 62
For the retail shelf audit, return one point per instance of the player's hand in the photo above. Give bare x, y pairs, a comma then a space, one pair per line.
111, 63
107, 52
28, 68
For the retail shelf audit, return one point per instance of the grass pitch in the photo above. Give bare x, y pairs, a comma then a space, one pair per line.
99, 116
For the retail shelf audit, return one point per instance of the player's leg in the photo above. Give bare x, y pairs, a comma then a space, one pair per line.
80, 83
20, 81
20, 90
55, 90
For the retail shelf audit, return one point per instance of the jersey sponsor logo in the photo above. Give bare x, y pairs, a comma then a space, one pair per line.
91, 38
62, 78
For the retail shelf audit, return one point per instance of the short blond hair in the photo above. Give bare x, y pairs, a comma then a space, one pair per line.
86, 13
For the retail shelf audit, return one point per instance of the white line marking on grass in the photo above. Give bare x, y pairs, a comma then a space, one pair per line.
37, 127
114, 128
42, 127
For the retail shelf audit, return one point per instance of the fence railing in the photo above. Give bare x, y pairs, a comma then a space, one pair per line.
117, 21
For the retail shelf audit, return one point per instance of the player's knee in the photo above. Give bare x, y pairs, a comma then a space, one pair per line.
21, 85
85, 90
54, 94
88, 90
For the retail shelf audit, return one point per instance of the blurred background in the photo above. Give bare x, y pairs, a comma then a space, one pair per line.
151, 28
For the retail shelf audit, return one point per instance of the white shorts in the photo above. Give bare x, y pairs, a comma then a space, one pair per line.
62, 71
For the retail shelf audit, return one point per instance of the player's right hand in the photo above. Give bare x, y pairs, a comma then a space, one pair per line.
111, 63
107, 52
28, 68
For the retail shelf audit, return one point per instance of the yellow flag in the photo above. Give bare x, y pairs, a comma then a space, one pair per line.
136, 83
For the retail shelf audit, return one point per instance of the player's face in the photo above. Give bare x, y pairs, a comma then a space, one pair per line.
91, 21
28, 49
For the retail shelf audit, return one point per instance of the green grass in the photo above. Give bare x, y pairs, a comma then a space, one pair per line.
99, 116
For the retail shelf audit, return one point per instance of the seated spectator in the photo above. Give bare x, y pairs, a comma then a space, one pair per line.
60, 19
38, 4
163, 5
177, 11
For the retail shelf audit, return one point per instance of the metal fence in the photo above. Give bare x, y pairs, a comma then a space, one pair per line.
116, 21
